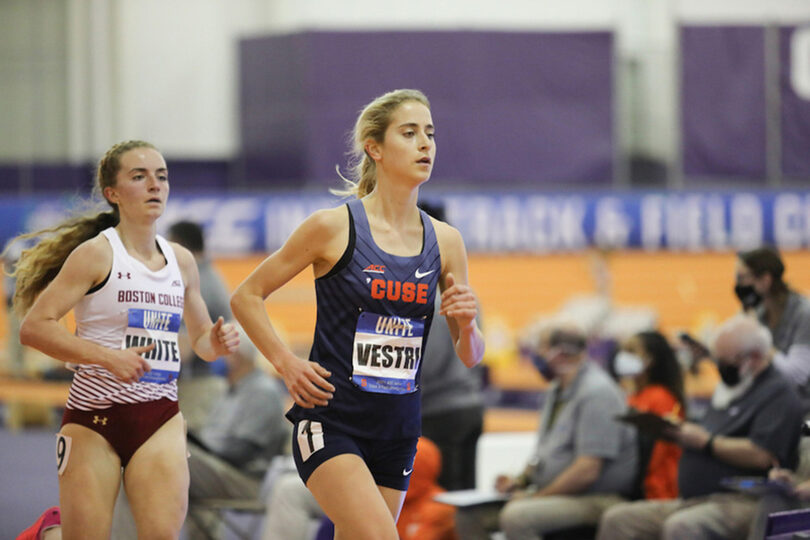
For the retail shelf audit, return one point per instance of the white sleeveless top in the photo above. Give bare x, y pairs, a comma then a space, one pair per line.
135, 306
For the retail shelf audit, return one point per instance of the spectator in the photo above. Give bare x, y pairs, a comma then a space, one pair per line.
648, 365
421, 517
794, 495
584, 461
452, 402
230, 455
786, 313
292, 511
200, 381
751, 423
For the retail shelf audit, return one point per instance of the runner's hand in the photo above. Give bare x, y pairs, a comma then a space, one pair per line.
224, 338
458, 302
128, 364
306, 382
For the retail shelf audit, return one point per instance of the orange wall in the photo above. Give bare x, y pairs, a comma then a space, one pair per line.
686, 289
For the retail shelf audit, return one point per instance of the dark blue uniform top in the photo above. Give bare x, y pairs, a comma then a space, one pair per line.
374, 314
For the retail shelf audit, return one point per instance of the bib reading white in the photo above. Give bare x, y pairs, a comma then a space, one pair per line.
147, 326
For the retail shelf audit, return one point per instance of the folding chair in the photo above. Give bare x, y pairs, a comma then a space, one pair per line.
230, 512
790, 525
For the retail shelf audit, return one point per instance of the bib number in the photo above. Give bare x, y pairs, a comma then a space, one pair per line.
386, 354
148, 326
63, 443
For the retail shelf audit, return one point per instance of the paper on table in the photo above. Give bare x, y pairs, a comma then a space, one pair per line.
470, 497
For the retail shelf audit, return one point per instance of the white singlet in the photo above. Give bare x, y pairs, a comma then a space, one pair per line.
135, 306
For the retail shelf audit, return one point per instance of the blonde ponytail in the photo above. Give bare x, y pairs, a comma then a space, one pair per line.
372, 123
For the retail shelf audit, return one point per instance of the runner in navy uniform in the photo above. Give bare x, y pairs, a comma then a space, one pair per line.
377, 261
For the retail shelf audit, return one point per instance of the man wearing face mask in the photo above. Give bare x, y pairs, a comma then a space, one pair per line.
584, 461
751, 424
763, 293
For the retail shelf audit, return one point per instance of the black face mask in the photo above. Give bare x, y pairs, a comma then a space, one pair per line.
541, 363
748, 296
729, 374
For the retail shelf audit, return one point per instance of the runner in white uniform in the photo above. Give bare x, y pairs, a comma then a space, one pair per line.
134, 304
129, 289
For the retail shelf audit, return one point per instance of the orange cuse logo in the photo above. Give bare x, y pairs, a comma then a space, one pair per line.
397, 290
375, 268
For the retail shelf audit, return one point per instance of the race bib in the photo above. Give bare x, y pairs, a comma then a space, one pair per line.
147, 326
387, 351
63, 444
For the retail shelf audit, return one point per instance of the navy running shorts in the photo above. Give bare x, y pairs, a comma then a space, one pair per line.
390, 461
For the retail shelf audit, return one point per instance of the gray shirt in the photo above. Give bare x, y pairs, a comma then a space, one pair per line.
217, 300
769, 414
446, 383
791, 337
246, 426
585, 425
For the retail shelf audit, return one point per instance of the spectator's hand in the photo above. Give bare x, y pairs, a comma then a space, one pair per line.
688, 435
224, 338
521, 494
458, 302
781, 475
306, 381
802, 491
505, 483
128, 364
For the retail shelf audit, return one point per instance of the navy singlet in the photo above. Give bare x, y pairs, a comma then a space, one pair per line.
374, 311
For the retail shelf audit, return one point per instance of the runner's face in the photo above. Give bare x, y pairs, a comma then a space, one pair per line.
142, 183
409, 148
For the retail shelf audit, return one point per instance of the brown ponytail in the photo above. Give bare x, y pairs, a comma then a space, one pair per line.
37, 266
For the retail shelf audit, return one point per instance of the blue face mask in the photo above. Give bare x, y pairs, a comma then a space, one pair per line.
541, 363
627, 364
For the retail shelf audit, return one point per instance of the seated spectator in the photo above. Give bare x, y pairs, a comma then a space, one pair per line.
200, 382
794, 496
786, 313
230, 455
292, 511
584, 461
452, 399
422, 518
751, 423
647, 365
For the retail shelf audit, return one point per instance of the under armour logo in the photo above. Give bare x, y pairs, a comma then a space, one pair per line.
99, 420
120, 275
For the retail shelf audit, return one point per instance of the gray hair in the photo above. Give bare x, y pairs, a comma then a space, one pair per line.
748, 334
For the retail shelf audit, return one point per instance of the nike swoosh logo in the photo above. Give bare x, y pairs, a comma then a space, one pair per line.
420, 275
406, 472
